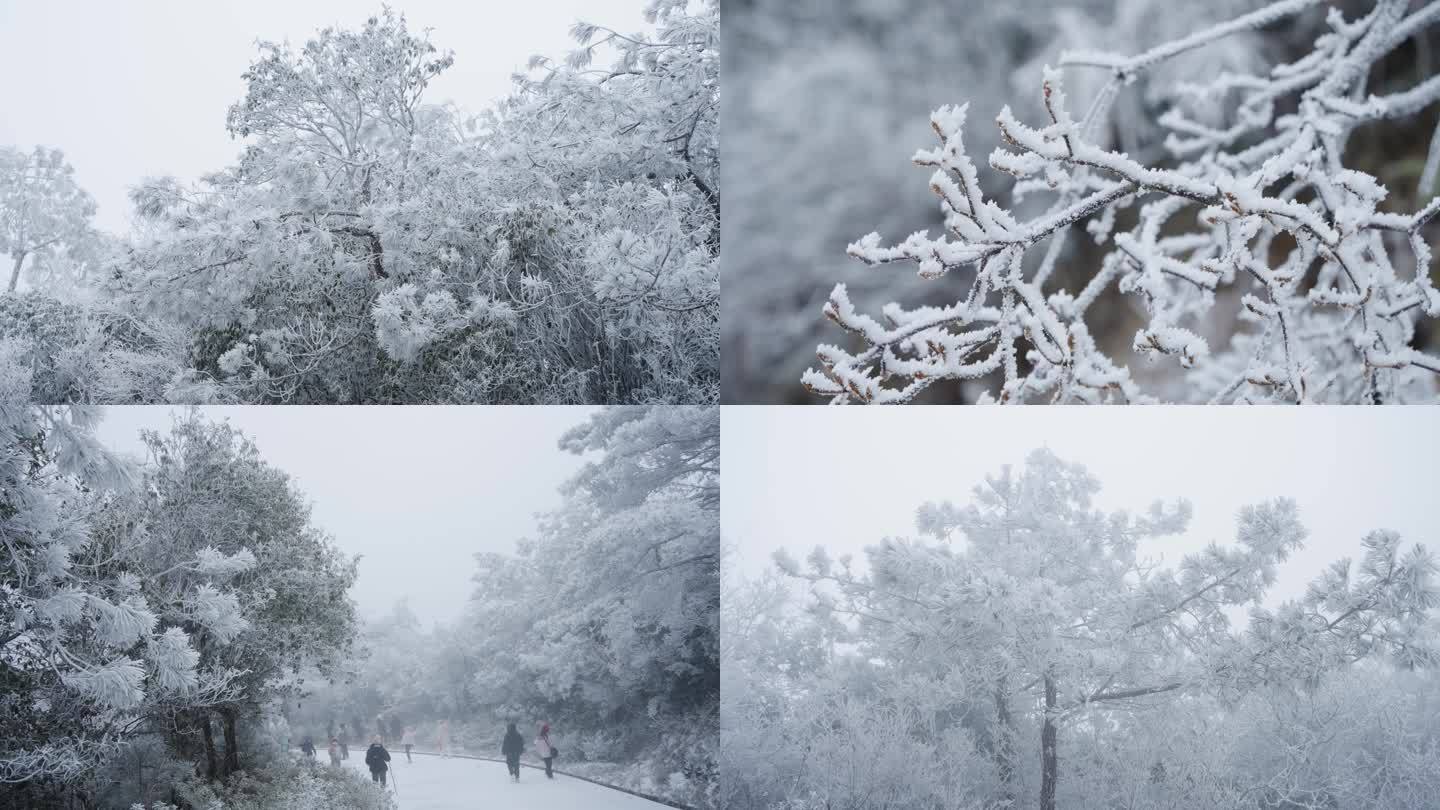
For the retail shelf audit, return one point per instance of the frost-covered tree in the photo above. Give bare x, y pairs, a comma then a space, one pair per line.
1028, 623
136, 603
44, 214
1256, 213
210, 495
369, 246
766, 643
70, 349
84, 651
609, 617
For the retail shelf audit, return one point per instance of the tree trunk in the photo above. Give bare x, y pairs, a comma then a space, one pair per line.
1049, 758
1004, 745
212, 768
232, 748
713, 200
15, 273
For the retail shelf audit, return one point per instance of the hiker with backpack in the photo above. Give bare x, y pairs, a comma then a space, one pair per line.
545, 750
512, 747
377, 759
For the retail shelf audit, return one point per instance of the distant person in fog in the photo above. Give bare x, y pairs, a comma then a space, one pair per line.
512, 748
408, 740
442, 738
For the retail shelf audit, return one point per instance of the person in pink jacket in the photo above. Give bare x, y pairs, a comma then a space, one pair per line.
545, 750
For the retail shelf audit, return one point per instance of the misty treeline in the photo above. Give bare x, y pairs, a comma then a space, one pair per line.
152, 614
605, 624
1021, 650
367, 246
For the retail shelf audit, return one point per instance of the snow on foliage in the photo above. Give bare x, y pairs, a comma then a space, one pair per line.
1023, 650
286, 786
1257, 201
368, 246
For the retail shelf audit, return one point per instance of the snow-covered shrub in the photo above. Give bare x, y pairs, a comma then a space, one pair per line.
1257, 220
80, 353
285, 787
405, 325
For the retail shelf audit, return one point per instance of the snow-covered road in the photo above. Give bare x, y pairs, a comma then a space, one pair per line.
437, 783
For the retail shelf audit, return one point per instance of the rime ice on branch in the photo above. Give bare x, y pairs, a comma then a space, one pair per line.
1329, 287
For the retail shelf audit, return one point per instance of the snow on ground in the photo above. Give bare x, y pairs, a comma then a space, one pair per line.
439, 783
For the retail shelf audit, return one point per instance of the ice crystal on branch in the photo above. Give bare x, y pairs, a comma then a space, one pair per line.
1257, 219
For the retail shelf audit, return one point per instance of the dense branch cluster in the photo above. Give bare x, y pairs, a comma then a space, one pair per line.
1257, 211
368, 246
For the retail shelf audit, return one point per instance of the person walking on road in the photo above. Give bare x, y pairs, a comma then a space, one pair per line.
334, 752
377, 759
512, 748
442, 738
545, 750
344, 742
307, 747
408, 740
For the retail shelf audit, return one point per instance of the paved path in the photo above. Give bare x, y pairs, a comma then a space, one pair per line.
439, 783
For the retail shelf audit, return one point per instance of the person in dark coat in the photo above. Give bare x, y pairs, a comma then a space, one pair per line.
344, 742
307, 747
377, 759
512, 748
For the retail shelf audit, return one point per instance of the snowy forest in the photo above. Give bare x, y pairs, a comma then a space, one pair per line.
171, 628
371, 246
1218, 202
606, 622
1020, 649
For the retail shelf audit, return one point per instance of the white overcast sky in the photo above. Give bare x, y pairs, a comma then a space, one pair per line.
415, 490
133, 88
847, 477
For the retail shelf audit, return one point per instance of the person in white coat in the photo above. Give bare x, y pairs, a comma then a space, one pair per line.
408, 740
442, 738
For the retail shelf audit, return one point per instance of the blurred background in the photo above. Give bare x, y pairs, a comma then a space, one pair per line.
826, 100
